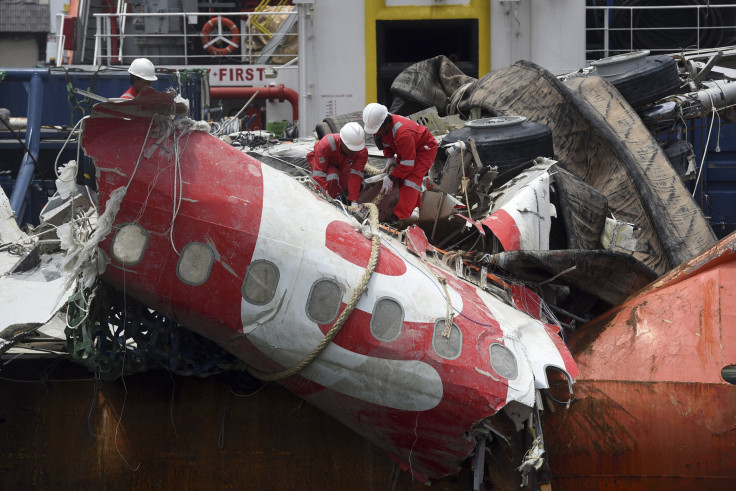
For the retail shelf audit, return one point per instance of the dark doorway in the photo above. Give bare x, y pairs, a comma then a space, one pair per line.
401, 43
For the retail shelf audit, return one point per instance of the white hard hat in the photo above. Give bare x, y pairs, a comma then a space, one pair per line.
374, 115
143, 68
353, 136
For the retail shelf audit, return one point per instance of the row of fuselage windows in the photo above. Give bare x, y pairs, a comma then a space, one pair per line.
196, 260
326, 297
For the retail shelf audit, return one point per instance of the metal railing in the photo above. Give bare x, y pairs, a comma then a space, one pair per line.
612, 30
178, 38
60, 39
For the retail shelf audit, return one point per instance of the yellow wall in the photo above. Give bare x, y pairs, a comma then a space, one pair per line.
377, 10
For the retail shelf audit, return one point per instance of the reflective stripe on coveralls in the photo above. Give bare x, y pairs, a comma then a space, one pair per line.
414, 148
334, 171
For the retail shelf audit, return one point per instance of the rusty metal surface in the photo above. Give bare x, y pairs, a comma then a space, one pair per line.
632, 435
653, 410
178, 433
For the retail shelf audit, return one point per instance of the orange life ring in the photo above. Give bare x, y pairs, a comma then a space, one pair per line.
209, 42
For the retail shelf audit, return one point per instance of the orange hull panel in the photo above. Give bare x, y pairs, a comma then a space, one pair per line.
653, 410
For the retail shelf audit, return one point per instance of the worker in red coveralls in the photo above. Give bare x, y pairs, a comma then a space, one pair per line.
408, 144
142, 74
338, 160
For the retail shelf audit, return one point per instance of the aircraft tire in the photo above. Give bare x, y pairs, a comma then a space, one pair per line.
337, 122
508, 143
322, 129
656, 78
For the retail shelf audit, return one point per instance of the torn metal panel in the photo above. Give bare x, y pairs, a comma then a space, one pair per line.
9, 231
437, 206
9, 234
580, 268
618, 234
32, 287
417, 242
34, 296
521, 211
447, 174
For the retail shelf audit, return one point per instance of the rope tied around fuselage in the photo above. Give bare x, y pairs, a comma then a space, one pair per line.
335, 329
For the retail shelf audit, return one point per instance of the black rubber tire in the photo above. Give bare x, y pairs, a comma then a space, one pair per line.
334, 124
337, 122
656, 78
506, 147
322, 129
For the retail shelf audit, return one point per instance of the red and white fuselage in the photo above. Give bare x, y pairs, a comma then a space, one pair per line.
252, 259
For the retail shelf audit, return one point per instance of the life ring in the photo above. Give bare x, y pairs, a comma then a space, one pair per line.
217, 24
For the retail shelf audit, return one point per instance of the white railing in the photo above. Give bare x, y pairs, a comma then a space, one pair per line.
60, 39
616, 30
238, 37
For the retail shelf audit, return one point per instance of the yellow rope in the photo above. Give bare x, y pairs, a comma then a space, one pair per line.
375, 248
379, 197
372, 170
254, 19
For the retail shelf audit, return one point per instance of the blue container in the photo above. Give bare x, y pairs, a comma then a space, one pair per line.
716, 188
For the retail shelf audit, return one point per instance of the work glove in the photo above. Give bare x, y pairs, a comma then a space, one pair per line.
353, 203
388, 185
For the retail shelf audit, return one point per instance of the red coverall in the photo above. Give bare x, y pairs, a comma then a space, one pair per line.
414, 148
333, 170
129, 94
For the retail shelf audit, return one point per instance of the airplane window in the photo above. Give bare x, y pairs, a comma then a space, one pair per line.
448, 348
129, 244
195, 263
729, 374
503, 361
387, 319
559, 385
261, 280
324, 301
